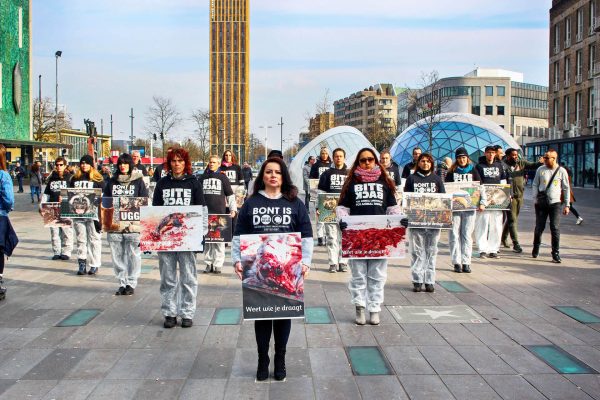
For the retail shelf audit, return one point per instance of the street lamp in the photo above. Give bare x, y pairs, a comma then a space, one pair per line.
266, 135
57, 55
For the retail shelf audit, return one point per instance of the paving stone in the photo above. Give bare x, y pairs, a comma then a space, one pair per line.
134, 364
244, 363
340, 388
203, 389
380, 387
24, 389
212, 363
390, 335
52, 338
173, 364
445, 360
521, 360
246, 388
5, 384
49, 318
116, 389
222, 336
492, 313
489, 334
119, 337
19, 338
188, 338
556, 387
457, 334
18, 363
292, 389
297, 362
469, 387
583, 332
203, 316
57, 364
426, 387
520, 333
587, 354
407, 360
588, 383
513, 387
353, 335
484, 360
329, 362
72, 390
555, 334
423, 334
95, 364
326, 335
298, 336
159, 389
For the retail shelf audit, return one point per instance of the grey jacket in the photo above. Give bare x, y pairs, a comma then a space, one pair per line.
305, 176
559, 185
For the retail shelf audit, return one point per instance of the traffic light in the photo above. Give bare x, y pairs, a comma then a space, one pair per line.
154, 136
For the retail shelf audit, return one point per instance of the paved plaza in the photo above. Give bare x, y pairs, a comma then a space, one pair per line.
479, 336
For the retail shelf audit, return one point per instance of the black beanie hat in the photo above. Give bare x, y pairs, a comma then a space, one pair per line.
461, 151
87, 159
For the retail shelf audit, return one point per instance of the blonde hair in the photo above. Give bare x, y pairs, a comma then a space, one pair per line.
94, 174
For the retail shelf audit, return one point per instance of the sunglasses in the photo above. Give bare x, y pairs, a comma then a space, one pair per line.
366, 160
59, 165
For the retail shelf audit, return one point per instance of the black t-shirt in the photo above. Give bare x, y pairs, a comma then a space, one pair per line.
140, 167
419, 183
260, 214
406, 171
492, 173
186, 191
233, 173
332, 180
83, 182
319, 167
134, 188
54, 184
394, 173
455, 176
216, 188
368, 198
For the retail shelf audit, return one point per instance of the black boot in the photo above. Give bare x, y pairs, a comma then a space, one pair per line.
279, 372
262, 371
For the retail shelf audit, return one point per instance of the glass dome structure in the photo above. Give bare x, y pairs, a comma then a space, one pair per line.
346, 137
453, 130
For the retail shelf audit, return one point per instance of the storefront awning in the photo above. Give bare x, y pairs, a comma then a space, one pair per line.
15, 143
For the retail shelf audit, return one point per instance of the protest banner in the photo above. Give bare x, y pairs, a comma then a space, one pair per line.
220, 229
498, 196
373, 236
172, 228
272, 281
122, 214
326, 204
239, 192
428, 210
50, 212
465, 195
80, 203
314, 189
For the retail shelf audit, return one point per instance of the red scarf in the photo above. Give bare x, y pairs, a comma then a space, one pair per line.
226, 164
367, 175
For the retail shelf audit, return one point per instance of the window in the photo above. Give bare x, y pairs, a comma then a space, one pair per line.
579, 31
567, 70
577, 107
567, 32
500, 110
578, 64
592, 55
556, 74
555, 112
592, 16
566, 110
591, 103
20, 27
489, 90
501, 90
489, 110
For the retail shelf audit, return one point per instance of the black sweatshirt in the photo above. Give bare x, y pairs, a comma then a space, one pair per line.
419, 183
332, 180
492, 173
471, 176
368, 198
394, 172
54, 184
216, 188
319, 167
132, 187
406, 171
185, 191
233, 173
84, 183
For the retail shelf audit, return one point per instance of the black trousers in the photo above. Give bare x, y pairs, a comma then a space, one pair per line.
281, 331
573, 211
551, 212
1, 263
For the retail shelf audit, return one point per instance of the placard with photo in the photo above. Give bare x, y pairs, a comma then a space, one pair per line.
498, 196
220, 229
466, 196
373, 236
326, 204
50, 212
122, 214
80, 203
167, 228
428, 210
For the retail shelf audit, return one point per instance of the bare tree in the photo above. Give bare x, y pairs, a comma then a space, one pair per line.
44, 122
381, 132
324, 104
162, 116
201, 118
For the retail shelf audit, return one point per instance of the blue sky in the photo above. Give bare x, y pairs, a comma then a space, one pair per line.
118, 54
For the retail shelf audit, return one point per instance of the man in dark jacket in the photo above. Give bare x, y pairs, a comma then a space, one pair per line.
410, 167
137, 162
20, 174
390, 166
61, 237
247, 174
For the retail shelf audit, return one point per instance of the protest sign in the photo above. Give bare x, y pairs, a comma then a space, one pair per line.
239, 192
172, 228
80, 203
220, 229
50, 212
465, 195
373, 236
326, 204
498, 196
122, 214
428, 210
314, 189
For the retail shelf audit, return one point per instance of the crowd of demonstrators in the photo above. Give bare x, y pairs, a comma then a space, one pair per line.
137, 162
332, 181
178, 188
125, 245
61, 237
321, 165
572, 209
368, 190
218, 196
410, 167
7, 202
551, 193
390, 166
516, 168
88, 231
463, 222
423, 242
306, 180
35, 181
488, 223
273, 191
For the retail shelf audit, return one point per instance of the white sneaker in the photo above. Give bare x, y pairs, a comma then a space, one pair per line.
579, 221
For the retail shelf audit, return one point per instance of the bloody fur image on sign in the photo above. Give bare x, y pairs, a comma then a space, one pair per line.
79, 203
164, 229
125, 211
219, 229
326, 205
374, 236
428, 210
272, 284
498, 196
50, 212
466, 196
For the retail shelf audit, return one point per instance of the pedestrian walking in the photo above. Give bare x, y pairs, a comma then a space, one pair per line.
550, 184
35, 182
275, 193
125, 245
7, 201
20, 174
178, 294
423, 242
572, 209
368, 190
247, 174
61, 237
321, 165
306, 180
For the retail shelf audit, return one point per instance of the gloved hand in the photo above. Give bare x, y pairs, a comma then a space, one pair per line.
343, 225
404, 222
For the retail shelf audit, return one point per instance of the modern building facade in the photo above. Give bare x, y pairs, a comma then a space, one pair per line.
319, 124
499, 95
574, 79
229, 76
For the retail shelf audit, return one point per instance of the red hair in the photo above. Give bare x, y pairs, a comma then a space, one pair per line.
184, 155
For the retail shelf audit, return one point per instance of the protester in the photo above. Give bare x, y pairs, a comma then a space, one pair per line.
62, 237
442, 169
488, 223
515, 167
390, 166
274, 192
35, 181
106, 174
549, 184
463, 222
410, 167
7, 202
321, 165
87, 231
161, 170
275, 153
247, 174
306, 180
231, 168
137, 162
125, 245
332, 181
377, 197
423, 242
572, 209
151, 171
179, 187
20, 174
217, 195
